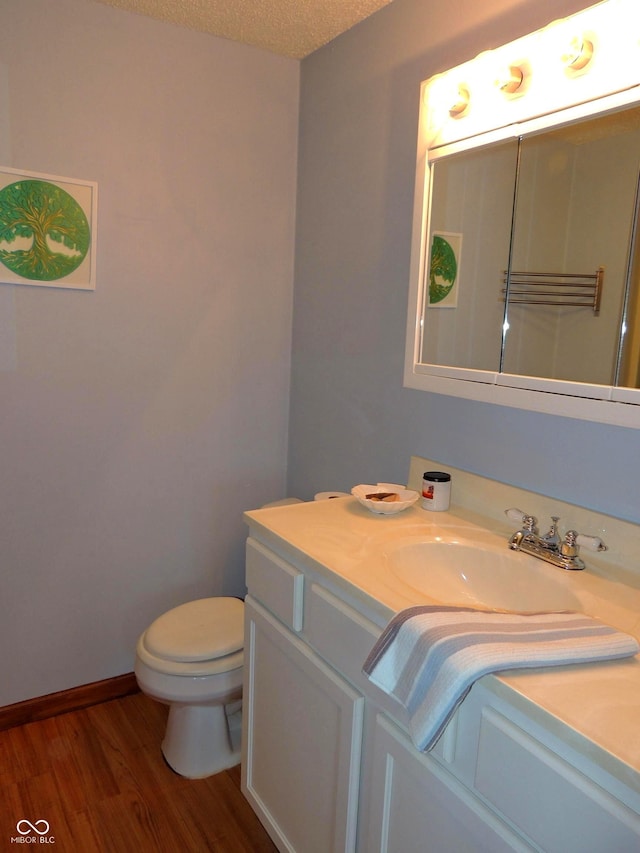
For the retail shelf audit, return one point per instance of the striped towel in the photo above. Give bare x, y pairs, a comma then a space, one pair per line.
428, 657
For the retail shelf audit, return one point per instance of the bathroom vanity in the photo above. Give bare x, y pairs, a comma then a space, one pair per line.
545, 759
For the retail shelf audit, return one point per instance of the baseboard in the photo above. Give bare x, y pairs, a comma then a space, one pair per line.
43, 707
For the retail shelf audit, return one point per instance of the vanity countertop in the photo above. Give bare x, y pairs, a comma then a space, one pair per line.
595, 707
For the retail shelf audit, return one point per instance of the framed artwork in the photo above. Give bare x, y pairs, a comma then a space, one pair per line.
47, 230
444, 269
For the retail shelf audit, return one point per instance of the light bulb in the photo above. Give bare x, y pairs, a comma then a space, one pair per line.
510, 80
579, 54
460, 102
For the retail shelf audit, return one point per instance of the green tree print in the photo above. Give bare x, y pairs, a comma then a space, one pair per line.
46, 215
443, 269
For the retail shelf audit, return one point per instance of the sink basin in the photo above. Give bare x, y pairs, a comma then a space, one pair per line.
466, 573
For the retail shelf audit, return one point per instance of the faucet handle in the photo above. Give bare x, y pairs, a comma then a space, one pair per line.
515, 514
593, 543
528, 522
569, 547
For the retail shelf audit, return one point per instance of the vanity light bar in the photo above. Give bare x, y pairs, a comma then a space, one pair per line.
596, 54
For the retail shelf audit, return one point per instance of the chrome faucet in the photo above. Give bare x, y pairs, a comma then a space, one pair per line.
552, 548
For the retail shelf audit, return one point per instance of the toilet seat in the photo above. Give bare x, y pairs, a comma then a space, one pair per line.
202, 637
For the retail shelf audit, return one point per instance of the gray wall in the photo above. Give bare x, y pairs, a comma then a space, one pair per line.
139, 421
351, 419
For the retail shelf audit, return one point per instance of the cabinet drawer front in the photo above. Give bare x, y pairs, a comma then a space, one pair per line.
275, 583
338, 633
558, 807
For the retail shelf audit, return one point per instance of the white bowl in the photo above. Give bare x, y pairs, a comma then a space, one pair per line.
406, 497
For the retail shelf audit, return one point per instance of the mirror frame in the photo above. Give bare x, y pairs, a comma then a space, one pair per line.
550, 96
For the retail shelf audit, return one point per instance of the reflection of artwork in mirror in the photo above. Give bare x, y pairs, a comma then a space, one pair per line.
444, 269
472, 194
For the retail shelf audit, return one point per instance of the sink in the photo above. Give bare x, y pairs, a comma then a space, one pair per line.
467, 573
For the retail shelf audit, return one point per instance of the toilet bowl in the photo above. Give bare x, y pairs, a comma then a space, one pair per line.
190, 658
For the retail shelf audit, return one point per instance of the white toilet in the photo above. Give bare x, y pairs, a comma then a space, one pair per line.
191, 659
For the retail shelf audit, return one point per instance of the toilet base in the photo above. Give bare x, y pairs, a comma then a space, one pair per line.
201, 740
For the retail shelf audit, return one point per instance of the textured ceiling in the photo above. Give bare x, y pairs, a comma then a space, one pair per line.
292, 28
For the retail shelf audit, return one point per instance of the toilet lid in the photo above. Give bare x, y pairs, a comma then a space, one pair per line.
205, 629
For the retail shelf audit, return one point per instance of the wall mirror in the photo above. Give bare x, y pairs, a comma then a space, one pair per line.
525, 273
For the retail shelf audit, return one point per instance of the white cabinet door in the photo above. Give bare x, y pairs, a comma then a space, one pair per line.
302, 735
414, 806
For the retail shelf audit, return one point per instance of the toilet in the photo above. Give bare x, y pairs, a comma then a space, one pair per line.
190, 658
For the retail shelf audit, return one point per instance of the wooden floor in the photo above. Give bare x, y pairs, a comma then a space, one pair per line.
98, 778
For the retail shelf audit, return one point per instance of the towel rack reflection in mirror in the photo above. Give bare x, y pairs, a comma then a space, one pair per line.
544, 288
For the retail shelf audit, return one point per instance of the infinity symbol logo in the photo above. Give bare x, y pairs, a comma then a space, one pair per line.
32, 827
